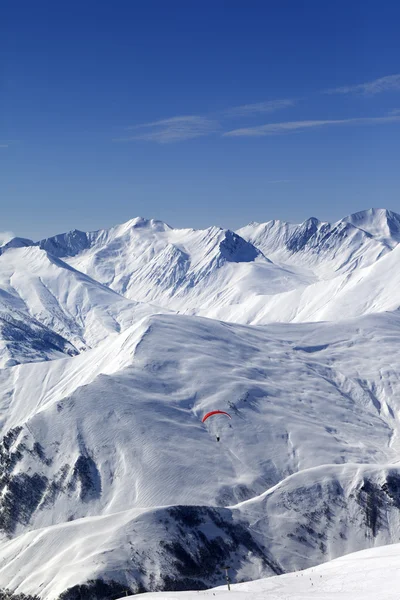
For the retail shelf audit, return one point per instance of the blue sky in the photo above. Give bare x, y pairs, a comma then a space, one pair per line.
196, 112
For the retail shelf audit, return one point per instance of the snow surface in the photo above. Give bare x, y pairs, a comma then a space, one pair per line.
64, 300
112, 409
367, 575
108, 365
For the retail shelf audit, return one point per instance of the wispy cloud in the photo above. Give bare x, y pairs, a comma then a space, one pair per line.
280, 181
181, 128
186, 127
175, 129
8, 143
258, 108
383, 84
6, 236
292, 126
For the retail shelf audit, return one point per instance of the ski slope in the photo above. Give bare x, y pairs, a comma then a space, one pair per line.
366, 575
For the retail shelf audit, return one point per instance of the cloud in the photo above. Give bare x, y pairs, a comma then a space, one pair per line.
175, 129
396, 111
258, 108
8, 143
6, 236
292, 126
280, 181
383, 84
179, 129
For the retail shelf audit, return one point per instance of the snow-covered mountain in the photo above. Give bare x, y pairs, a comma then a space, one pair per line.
382, 224
328, 249
108, 477
192, 271
283, 272
64, 300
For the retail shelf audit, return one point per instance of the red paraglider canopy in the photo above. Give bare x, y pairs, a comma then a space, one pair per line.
215, 412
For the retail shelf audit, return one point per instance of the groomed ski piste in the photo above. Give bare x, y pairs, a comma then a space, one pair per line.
115, 344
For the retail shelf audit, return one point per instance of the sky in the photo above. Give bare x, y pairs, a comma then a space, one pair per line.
198, 113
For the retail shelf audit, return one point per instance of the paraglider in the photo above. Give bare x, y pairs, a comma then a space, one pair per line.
212, 413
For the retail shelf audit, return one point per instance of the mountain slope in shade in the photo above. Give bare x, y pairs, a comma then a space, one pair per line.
23, 339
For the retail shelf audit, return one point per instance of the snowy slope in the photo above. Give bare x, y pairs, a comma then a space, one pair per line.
366, 575
151, 386
62, 299
183, 547
373, 289
114, 429
382, 224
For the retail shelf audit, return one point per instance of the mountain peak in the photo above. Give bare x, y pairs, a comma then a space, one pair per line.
142, 222
235, 249
381, 223
66, 244
16, 242
311, 221
299, 239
